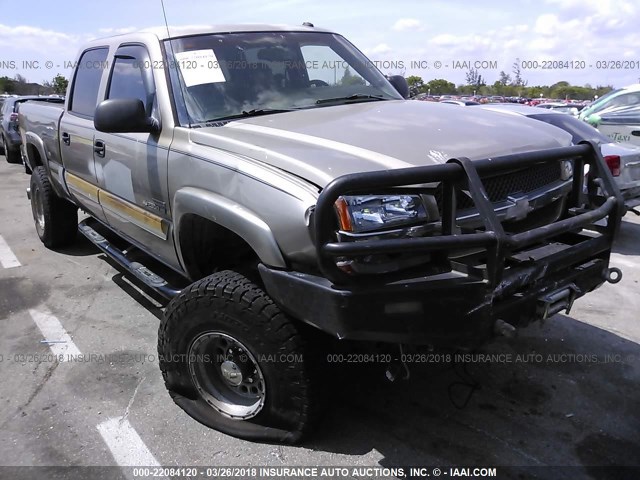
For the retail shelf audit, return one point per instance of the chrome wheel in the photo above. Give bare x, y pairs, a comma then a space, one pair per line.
37, 208
227, 375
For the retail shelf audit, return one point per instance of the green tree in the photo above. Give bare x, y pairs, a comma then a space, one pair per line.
416, 85
535, 92
350, 79
20, 78
518, 81
465, 89
504, 79
440, 86
600, 90
7, 85
474, 78
60, 84
415, 81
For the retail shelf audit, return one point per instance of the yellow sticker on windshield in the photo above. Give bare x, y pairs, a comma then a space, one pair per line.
199, 67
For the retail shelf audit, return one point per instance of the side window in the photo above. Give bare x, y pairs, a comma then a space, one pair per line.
127, 81
625, 100
84, 96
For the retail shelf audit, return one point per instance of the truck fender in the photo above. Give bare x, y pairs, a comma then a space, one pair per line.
236, 218
35, 141
54, 170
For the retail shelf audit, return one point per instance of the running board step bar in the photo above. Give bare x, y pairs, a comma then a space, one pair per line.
142, 273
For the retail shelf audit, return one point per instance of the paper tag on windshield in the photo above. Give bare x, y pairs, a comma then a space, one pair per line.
199, 67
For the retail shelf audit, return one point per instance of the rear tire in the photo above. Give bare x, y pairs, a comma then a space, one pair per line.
234, 362
56, 219
12, 156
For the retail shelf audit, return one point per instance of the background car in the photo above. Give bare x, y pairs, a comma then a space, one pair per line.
9, 133
623, 159
621, 125
461, 102
570, 108
621, 98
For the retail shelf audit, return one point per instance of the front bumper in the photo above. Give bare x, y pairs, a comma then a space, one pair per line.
474, 278
446, 309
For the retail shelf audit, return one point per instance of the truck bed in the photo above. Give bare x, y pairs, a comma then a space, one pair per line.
39, 121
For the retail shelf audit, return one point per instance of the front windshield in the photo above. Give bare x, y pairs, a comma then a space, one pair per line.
236, 74
599, 104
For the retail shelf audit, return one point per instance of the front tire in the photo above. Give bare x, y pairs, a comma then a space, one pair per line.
56, 219
234, 362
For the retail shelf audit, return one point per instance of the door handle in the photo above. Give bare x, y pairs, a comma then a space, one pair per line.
99, 148
636, 133
66, 138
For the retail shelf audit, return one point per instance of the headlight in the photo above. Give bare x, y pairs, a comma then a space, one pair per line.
365, 213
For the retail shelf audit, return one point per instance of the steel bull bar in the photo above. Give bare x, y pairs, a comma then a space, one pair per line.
585, 207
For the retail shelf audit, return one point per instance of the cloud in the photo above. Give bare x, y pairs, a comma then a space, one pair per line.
448, 40
568, 30
26, 51
34, 38
587, 31
407, 24
117, 31
381, 48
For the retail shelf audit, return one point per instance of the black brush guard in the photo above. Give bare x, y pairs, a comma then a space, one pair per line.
559, 265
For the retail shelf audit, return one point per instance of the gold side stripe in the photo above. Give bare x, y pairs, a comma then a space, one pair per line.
127, 211
148, 221
82, 186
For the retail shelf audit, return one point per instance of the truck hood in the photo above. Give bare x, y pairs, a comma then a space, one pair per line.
320, 144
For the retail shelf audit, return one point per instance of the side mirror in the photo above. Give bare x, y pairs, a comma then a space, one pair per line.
123, 115
400, 84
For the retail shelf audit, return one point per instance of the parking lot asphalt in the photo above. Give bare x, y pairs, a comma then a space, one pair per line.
566, 392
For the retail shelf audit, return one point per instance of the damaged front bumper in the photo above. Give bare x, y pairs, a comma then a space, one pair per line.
476, 280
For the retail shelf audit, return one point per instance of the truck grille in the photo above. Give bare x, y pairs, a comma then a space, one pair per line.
501, 186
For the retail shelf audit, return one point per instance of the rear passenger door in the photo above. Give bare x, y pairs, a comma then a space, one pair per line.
77, 130
132, 167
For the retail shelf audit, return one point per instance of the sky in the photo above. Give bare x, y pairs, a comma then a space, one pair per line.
593, 42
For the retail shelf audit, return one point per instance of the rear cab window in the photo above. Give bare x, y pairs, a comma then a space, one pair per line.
86, 84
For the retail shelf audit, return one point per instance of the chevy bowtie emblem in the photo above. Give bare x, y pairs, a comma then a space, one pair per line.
520, 208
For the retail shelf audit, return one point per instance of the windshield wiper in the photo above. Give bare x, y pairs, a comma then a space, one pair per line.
250, 113
355, 96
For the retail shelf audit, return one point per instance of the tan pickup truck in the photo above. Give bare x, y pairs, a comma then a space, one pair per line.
298, 196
